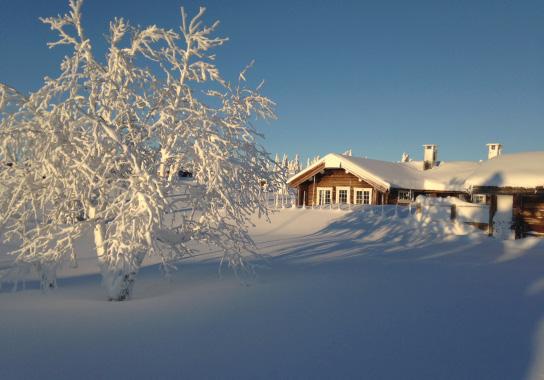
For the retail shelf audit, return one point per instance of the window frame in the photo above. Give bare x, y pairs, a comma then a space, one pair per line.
363, 190
406, 199
318, 200
481, 197
337, 193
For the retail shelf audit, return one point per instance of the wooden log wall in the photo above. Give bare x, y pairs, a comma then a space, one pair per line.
333, 178
528, 214
307, 192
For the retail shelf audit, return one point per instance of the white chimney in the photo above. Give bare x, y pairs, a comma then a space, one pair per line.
493, 150
430, 152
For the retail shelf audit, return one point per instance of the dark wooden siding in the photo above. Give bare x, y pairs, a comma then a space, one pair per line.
529, 214
333, 178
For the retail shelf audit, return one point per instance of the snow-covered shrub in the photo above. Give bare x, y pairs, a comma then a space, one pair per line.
98, 147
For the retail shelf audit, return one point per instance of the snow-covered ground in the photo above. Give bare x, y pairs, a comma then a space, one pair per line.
338, 295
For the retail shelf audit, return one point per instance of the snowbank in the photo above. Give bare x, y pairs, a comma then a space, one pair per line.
440, 208
295, 221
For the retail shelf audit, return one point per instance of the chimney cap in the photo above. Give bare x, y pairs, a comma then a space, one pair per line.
430, 152
493, 150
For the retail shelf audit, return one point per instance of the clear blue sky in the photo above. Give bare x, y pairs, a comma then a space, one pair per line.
380, 77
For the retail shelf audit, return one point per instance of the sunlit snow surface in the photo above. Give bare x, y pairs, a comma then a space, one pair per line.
362, 294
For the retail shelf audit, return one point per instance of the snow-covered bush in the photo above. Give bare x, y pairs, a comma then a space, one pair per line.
98, 149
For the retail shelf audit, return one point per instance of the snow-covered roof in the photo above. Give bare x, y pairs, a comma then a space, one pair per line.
525, 170
410, 175
515, 170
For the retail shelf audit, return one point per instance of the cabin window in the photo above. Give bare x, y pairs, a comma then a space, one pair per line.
342, 194
479, 198
405, 196
359, 197
324, 195
362, 196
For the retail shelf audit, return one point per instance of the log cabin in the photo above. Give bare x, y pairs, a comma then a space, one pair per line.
338, 178
512, 184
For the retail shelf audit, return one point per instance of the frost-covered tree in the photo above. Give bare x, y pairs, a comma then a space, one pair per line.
284, 169
98, 149
294, 166
313, 160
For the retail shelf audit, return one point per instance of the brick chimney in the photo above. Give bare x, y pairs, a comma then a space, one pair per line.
493, 150
430, 153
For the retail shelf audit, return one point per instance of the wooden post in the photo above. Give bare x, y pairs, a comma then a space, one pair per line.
492, 210
315, 194
453, 212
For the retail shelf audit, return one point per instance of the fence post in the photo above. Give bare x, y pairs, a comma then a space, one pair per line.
492, 210
453, 212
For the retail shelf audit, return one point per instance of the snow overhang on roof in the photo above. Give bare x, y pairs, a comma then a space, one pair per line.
517, 170
310, 171
338, 161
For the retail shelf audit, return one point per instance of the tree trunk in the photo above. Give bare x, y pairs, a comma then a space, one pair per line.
119, 282
117, 278
162, 166
48, 276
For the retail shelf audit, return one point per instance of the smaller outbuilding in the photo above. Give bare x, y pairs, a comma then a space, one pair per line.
513, 186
